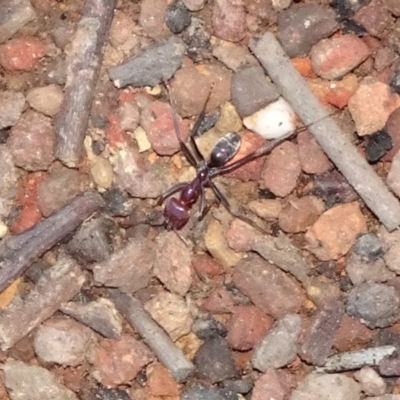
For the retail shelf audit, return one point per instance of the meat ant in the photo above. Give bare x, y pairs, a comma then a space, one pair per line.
177, 209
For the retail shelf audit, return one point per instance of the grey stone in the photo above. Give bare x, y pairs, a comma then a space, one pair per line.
151, 66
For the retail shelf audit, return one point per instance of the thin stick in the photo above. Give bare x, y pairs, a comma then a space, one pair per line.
154, 336
20, 251
327, 133
82, 74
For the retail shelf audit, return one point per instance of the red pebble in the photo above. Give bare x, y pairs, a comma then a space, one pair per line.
21, 54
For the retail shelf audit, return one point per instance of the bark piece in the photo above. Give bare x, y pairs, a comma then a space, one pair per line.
82, 74
57, 285
20, 251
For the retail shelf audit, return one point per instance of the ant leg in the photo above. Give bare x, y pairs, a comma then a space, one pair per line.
169, 192
185, 150
228, 207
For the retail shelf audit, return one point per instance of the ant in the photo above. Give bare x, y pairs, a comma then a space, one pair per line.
177, 209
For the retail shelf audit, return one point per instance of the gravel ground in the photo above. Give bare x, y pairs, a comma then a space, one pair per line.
279, 279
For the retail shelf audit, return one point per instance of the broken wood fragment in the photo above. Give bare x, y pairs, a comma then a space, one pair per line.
57, 285
83, 69
20, 251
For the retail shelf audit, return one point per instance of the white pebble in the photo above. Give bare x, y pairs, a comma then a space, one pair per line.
273, 121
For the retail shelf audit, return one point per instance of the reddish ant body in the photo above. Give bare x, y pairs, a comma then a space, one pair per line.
177, 210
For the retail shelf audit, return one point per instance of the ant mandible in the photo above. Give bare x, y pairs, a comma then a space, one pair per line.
177, 209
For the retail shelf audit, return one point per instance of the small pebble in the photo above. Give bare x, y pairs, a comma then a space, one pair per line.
300, 213
335, 231
279, 346
152, 18
312, 158
160, 382
11, 106
368, 246
128, 268
303, 25
374, 17
32, 141
214, 361
352, 334
63, 341
91, 242
359, 271
273, 121
172, 313
32, 382
59, 188
8, 177
269, 288
102, 393
251, 91
229, 20
46, 99
198, 40
100, 315
371, 383
335, 57
141, 70
208, 327
157, 121
321, 387
233, 55
247, 326
133, 177
21, 54
119, 361
374, 304
281, 170
378, 144
201, 392
173, 263
118, 203
194, 5
15, 16
334, 188
177, 17
270, 386
371, 105
319, 337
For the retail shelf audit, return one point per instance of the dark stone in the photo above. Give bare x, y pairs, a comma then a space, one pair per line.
207, 328
102, 393
118, 204
334, 188
4, 134
177, 17
301, 26
346, 8
368, 247
214, 361
374, 304
98, 147
251, 91
152, 65
197, 41
202, 392
378, 144
92, 242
